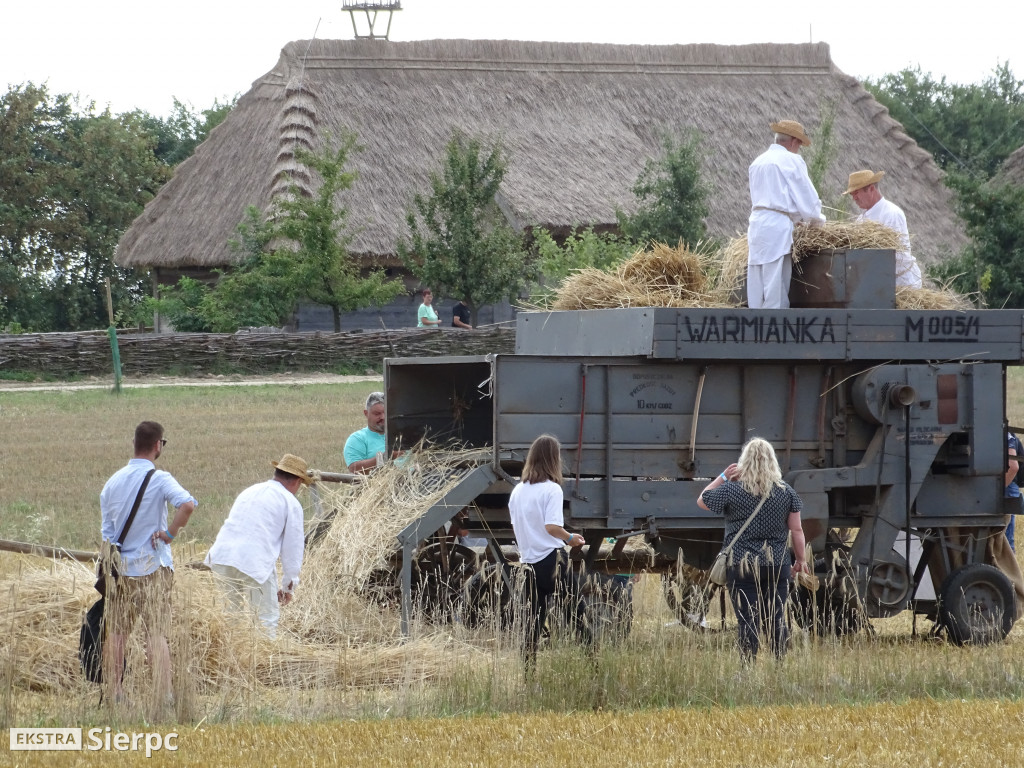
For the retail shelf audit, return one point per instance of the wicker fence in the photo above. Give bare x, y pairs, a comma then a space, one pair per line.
69, 355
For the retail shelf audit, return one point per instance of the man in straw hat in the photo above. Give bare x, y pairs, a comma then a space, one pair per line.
863, 188
143, 586
781, 195
264, 525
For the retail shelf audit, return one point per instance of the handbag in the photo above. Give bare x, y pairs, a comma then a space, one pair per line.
91, 636
717, 574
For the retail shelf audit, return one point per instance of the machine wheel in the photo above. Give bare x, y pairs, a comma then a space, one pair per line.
439, 576
826, 612
976, 605
688, 593
487, 595
609, 606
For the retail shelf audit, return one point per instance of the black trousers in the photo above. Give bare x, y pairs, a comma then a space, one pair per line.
552, 585
759, 597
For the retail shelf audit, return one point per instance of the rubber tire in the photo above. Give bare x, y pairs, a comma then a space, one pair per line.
977, 590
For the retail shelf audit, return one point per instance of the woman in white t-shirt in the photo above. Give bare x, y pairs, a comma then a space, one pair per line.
535, 506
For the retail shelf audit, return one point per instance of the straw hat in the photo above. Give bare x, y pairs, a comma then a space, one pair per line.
293, 465
861, 179
791, 128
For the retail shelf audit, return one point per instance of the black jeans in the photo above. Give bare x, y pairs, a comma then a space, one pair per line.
759, 597
552, 582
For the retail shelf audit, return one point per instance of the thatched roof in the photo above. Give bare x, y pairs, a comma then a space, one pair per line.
1012, 169
578, 121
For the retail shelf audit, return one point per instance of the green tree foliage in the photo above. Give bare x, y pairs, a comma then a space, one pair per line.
970, 128
993, 262
178, 136
460, 242
71, 181
671, 193
299, 253
581, 249
323, 270
822, 153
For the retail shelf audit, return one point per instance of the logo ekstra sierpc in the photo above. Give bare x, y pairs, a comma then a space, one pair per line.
94, 740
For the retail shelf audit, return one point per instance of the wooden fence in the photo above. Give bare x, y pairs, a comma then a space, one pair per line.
68, 355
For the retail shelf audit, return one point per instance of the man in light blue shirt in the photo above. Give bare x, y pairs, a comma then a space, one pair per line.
367, 448
143, 587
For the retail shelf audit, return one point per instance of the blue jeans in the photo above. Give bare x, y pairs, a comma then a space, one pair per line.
759, 597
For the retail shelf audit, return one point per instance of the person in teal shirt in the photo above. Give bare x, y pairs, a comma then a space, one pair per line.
367, 448
427, 316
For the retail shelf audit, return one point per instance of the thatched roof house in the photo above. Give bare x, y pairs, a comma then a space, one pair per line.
578, 121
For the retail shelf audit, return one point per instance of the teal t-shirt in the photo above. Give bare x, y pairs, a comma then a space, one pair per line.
426, 313
364, 444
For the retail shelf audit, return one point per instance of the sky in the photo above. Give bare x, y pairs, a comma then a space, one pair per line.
126, 54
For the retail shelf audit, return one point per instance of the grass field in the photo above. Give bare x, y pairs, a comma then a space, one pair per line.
667, 696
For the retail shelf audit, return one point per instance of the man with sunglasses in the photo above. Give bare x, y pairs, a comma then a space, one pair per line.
145, 569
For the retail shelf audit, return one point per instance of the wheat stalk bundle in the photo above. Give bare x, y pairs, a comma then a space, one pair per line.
839, 235
661, 276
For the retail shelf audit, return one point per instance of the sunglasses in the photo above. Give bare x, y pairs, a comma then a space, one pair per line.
163, 441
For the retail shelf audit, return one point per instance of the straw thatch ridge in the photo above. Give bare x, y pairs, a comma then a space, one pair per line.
1012, 169
578, 121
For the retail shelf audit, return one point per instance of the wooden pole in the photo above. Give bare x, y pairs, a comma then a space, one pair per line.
42, 550
115, 353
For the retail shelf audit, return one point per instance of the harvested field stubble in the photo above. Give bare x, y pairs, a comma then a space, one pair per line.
912, 733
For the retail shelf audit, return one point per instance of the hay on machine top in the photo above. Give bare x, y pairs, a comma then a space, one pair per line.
842, 309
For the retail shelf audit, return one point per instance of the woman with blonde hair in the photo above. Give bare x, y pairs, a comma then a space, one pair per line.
752, 493
535, 507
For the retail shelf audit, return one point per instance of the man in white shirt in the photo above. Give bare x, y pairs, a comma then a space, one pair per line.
781, 195
863, 188
143, 586
264, 525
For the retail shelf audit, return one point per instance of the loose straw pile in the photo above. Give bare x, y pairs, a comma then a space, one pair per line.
358, 549
331, 635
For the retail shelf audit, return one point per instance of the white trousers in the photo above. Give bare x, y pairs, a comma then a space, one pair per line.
768, 284
245, 594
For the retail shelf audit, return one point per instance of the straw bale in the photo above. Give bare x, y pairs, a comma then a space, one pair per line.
659, 277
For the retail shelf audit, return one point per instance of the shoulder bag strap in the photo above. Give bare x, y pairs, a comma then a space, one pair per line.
747, 521
135, 509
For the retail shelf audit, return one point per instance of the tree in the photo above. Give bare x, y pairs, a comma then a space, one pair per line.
581, 249
299, 252
71, 181
971, 128
460, 242
178, 136
323, 270
993, 262
671, 193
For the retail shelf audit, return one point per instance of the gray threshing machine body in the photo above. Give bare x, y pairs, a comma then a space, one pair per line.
883, 420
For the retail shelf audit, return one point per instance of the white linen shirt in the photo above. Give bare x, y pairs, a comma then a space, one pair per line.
531, 506
781, 194
264, 523
138, 557
891, 215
